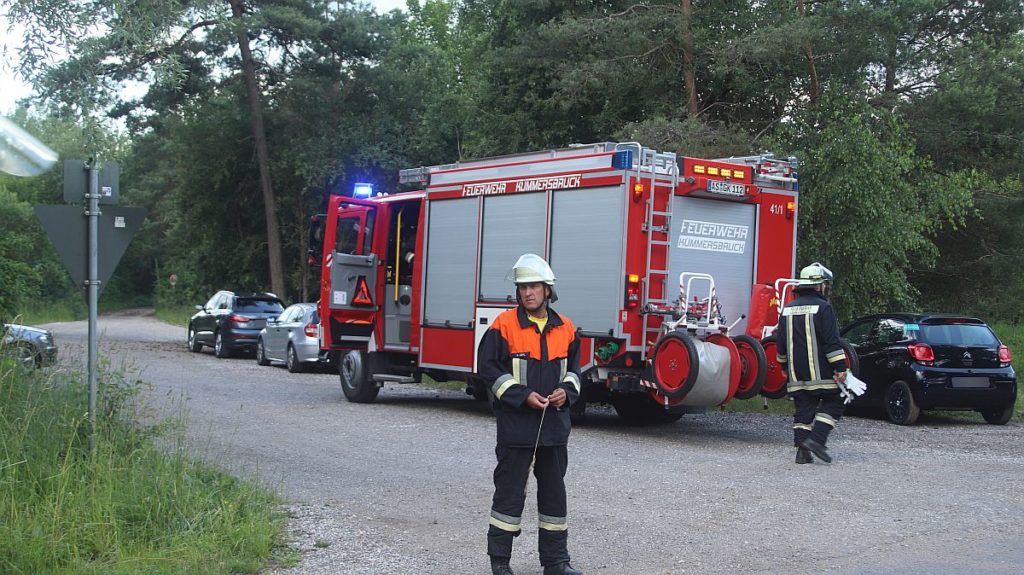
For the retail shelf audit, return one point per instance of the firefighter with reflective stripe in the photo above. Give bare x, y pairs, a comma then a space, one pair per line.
809, 347
530, 354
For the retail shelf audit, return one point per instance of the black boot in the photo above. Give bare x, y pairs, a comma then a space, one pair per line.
500, 566
561, 569
803, 455
817, 449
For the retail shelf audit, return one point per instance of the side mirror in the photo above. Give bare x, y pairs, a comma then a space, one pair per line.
271, 321
199, 307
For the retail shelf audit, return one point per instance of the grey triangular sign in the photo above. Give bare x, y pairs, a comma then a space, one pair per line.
67, 228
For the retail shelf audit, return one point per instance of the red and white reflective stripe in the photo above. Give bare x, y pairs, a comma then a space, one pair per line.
330, 260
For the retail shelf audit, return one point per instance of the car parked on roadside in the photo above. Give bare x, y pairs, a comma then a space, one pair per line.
29, 346
914, 361
231, 322
292, 338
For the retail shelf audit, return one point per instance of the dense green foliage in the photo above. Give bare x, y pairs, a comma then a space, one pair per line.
907, 118
135, 504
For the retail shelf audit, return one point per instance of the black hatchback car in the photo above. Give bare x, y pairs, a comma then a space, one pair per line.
231, 322
913, 362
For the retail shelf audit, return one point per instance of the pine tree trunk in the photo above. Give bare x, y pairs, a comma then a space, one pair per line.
262, 157
812, 72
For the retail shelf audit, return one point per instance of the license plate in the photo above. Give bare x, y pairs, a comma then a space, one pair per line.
726, 188
974, 382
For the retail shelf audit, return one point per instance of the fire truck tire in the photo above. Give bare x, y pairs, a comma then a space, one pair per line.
641, 409
478, 389
775, 379
754, 366
675, 364
355, 378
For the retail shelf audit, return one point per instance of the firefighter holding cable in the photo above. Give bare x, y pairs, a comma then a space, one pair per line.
809, 345
530, 354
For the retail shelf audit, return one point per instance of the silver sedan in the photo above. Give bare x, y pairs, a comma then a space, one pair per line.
291, 338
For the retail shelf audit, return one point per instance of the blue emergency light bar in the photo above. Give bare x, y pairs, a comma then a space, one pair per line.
622, 160
362, 190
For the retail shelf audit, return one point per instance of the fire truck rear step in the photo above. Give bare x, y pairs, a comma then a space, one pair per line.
386, 377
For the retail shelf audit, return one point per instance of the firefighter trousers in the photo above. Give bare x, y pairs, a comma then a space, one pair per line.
510, 478
816, 415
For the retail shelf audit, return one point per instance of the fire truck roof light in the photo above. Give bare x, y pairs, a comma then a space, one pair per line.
362, 190
622, 160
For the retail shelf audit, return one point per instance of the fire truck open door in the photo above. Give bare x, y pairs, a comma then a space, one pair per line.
352, 262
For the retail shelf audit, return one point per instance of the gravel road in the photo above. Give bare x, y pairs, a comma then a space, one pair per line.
403, 485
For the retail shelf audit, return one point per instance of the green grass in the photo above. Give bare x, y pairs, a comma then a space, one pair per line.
34, 314
175, 315
137, 503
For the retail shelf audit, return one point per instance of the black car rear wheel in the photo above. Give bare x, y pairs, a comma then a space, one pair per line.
220, 347
900, 406
998, 415
193, 342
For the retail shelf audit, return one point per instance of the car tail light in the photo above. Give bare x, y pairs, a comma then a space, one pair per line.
632, 291
1005, 356
236, 318
922, 353
310, 330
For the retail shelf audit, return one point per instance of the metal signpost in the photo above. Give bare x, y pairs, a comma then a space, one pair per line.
90, 246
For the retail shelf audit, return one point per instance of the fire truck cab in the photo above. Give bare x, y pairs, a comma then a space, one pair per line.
410, 281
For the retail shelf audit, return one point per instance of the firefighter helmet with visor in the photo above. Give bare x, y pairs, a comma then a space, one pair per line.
815, 274
531, 268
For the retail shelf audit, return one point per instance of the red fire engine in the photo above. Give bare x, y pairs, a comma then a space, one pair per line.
667, 267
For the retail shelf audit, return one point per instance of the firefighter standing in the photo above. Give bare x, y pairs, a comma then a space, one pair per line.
530, 354
809, 345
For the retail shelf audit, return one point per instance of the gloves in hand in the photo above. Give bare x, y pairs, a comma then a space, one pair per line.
851, 388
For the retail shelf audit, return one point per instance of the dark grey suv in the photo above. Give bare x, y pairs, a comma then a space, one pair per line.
913, 362
231, 322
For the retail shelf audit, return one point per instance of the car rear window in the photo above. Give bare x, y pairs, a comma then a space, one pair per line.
958, 334
259, 306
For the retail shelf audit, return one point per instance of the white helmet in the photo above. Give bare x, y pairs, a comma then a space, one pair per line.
531, 268
815, 274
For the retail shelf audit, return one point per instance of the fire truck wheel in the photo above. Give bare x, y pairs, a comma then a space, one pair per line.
675, 364
355, 378
478, 389
578, 412
754, 366
641, 409
775, 376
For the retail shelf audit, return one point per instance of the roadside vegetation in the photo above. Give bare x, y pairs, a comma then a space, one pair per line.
137, 503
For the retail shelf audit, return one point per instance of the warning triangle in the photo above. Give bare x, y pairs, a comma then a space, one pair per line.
362, 296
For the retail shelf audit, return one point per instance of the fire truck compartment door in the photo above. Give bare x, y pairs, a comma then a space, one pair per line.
716, 238
588, 256
513, 225
353, 278
451, 263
